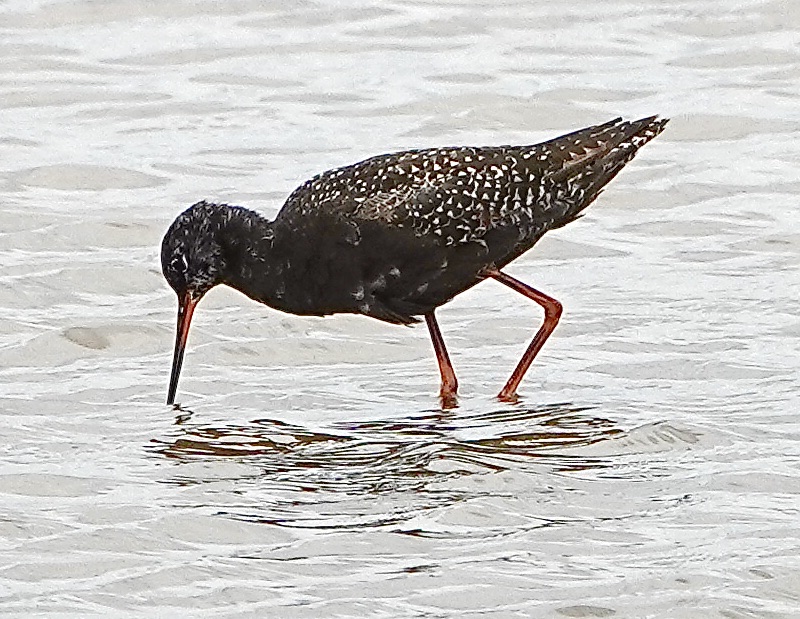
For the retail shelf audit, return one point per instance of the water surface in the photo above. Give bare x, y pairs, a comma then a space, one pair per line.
651, 467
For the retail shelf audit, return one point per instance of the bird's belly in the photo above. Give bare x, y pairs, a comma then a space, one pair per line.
390, 274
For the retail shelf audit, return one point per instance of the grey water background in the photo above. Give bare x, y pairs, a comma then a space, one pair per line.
651, 468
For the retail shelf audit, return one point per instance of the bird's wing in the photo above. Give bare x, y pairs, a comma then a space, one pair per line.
458, 194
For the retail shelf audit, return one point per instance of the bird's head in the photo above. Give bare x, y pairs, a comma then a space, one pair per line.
193, 263
191, 253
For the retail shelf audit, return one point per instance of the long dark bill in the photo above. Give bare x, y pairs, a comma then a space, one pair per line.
186, 305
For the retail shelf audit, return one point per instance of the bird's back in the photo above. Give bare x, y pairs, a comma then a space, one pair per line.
460, 193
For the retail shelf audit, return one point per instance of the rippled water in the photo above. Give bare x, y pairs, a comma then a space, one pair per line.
651, 468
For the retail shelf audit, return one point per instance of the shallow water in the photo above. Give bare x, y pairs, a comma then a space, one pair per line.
651, 468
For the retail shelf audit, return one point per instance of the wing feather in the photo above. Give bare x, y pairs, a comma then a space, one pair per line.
458, 194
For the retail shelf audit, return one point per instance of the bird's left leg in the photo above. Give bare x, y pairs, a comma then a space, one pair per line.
449, 387
552, 312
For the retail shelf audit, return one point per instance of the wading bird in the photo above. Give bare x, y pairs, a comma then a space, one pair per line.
396, 236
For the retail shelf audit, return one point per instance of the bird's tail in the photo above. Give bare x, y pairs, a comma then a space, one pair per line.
586, 160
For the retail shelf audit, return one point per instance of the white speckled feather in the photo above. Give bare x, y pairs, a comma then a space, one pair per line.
457, 194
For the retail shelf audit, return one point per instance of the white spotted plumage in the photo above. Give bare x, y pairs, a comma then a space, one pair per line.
458, 194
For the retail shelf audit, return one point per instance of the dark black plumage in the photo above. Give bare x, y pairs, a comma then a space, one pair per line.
395, 236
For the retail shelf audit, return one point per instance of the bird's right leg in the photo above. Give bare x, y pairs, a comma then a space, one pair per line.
449, 388
552, 312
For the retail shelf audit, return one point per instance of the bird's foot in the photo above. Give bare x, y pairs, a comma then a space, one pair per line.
509, 397
448, 399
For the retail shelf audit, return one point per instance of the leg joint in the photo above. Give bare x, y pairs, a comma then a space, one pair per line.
554, 309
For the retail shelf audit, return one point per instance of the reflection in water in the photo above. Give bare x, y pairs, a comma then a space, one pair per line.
260, 438
425, 455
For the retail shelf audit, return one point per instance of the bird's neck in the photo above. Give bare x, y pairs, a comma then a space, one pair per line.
253, 263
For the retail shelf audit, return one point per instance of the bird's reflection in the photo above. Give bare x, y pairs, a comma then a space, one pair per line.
259, 438
384, 453
391, 472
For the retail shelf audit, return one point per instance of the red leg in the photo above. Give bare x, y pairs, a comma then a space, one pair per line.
447, 392
552, 312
